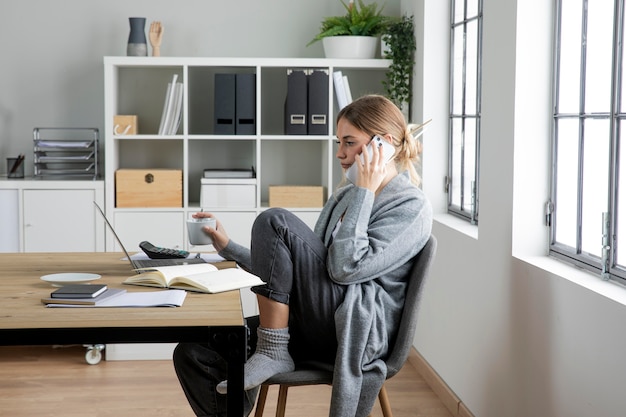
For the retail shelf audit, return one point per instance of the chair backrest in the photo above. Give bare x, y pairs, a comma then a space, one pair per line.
408, 322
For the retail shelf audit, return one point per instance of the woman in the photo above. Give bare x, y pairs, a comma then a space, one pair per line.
334, 295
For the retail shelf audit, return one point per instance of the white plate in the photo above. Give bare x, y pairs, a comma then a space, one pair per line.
59, 280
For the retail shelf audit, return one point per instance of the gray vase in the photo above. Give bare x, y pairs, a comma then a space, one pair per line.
137, 45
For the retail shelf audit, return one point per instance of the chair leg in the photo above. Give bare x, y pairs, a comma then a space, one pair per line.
260, 404
384, 402
282, 401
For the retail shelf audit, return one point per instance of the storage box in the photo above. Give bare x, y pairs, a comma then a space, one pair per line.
296, 196
125, 124
227, 193
149, 188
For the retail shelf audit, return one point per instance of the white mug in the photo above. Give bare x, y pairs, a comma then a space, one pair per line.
197, 236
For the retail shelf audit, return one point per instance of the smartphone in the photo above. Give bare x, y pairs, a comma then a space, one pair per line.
388, 150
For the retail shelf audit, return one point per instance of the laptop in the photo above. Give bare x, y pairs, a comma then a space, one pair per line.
147, 263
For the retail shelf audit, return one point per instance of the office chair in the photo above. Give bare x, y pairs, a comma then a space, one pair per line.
397, 357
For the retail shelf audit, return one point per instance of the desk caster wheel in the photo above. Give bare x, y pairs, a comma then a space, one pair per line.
94, 354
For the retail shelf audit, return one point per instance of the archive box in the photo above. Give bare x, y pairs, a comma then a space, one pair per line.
125, 124
228, 192
296, 196
149, 188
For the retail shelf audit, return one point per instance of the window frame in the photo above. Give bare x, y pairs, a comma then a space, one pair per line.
605, 265
460, 209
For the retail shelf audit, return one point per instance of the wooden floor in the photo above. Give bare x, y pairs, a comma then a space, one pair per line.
56, 381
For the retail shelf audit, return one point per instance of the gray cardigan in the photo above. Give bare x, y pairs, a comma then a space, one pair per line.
371, 253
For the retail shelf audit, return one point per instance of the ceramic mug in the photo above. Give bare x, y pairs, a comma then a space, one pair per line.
197, 236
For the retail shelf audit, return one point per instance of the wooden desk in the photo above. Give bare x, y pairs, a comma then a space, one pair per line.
24, 320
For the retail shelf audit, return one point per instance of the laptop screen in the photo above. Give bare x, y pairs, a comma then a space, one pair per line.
110, 226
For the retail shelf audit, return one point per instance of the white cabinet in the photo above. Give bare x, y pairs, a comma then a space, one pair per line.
51, 216
9, 221
134, 227
59, 220
138, 85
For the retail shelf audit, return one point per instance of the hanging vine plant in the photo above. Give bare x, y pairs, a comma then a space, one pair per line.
400, 40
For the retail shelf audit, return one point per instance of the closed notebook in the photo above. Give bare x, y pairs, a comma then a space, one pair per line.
167, 298
195, 277
79, 291
92, 301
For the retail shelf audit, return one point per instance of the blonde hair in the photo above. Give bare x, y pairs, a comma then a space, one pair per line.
377, 115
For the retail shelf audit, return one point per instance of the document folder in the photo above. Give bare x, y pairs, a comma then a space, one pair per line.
318, 102
296, 103
342, 98
245, 104
224, 101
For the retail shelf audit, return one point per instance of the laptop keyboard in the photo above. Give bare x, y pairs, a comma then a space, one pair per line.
143, 263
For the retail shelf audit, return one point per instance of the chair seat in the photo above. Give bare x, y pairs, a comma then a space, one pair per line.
302, 377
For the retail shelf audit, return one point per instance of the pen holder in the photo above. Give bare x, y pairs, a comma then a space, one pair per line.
15, 168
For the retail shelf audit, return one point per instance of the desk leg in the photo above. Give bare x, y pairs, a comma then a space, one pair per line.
232, 343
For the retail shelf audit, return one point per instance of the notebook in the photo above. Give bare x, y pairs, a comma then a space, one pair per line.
147, 263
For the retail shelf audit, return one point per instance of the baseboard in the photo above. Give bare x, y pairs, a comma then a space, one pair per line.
438, 385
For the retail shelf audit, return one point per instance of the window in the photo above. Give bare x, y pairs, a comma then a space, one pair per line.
464, 129
589, 123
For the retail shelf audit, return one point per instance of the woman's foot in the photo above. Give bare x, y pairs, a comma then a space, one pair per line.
270, 358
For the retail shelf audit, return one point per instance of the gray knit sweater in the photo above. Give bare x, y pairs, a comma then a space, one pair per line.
371, 253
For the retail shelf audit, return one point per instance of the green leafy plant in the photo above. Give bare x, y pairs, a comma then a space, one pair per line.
400, 38
360, 20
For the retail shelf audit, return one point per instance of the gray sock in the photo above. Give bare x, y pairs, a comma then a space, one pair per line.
270, 358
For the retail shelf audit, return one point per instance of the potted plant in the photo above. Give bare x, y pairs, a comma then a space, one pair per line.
353, 35
400, 43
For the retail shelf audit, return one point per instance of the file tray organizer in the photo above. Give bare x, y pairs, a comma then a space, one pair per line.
66, 152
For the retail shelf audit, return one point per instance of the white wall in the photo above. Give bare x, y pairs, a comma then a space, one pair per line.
512, 332
51, 50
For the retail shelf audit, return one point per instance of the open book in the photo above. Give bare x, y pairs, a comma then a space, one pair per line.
195, 277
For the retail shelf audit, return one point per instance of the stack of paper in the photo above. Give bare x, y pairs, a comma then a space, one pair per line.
229, 173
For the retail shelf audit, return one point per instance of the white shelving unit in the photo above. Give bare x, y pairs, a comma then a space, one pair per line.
137, 86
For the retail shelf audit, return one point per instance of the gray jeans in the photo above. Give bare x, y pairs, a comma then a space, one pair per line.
291, 260
200, 368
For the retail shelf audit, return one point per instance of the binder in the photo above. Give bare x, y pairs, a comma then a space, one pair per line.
177, 111
245, 104
170, 98
318, 102
346, 90
224, 104
296, 103
342, 99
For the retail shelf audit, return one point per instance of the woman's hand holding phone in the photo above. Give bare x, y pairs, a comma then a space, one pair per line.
368, 170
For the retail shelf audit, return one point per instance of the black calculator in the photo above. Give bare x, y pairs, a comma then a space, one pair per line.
155, 252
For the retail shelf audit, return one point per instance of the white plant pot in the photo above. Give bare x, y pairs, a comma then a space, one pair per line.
350, 47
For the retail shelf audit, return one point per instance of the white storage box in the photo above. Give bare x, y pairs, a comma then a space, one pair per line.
227, 193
